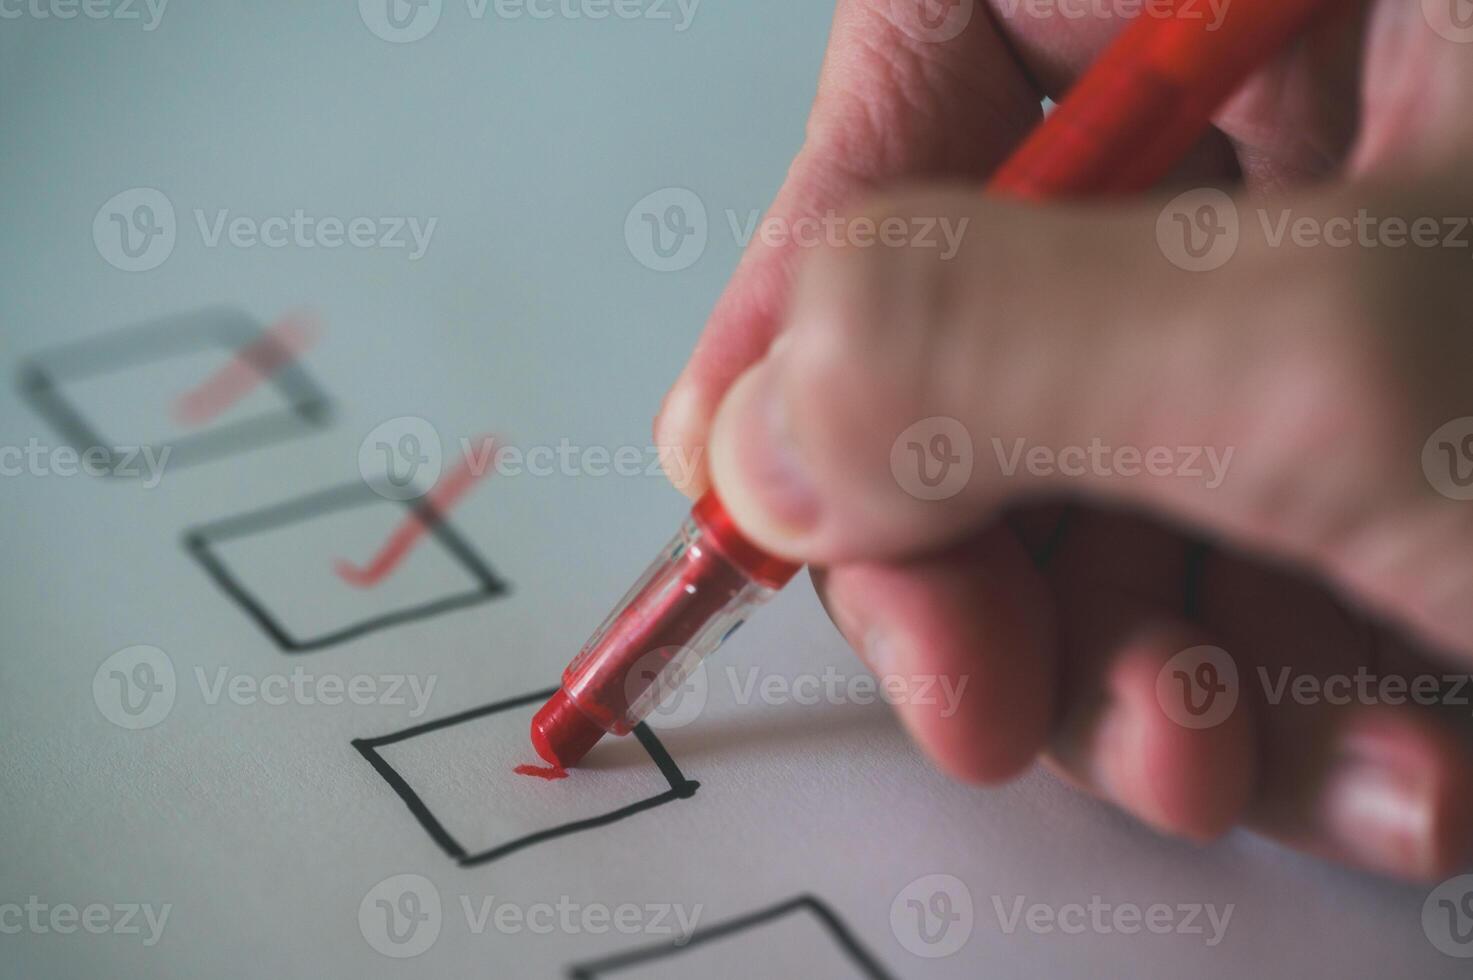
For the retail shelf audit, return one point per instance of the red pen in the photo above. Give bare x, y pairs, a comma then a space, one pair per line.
1126, 122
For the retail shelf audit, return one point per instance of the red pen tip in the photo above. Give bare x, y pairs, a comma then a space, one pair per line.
561, 734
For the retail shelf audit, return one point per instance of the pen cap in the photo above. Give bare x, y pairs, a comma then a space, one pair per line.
694, 595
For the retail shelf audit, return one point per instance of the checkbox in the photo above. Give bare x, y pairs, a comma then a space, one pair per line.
456, 776
277, 564
119, 390
765, 943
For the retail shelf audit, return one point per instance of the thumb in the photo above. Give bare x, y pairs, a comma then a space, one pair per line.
1258, 391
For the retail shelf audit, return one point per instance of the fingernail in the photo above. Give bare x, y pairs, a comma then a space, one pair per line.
1381, 811
768, 471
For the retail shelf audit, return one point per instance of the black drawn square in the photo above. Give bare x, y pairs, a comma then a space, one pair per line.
761, 943
664, 781
291, 406
279, 593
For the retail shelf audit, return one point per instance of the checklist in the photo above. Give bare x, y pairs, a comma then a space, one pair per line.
267, 675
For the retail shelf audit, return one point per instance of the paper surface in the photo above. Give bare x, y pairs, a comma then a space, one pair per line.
187, 688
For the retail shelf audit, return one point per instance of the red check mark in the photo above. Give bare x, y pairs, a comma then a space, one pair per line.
446, 493
279, 345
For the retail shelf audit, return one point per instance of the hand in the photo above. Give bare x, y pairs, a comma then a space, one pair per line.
1160, 459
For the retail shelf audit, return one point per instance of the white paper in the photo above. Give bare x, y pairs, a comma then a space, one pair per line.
267, 835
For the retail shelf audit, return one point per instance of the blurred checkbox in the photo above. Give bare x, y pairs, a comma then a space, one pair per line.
129, 391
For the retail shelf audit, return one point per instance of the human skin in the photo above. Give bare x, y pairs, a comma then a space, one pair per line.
1062, 599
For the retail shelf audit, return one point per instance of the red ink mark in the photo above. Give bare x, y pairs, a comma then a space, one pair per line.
542, 772
439, 500
279, 345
